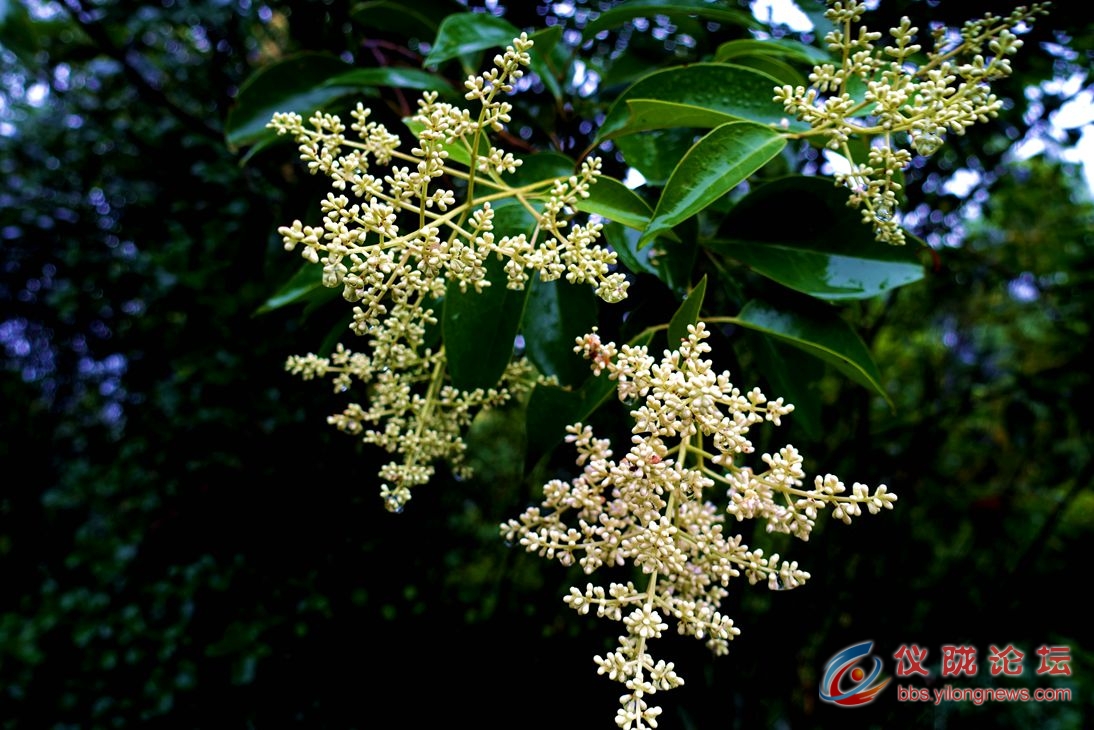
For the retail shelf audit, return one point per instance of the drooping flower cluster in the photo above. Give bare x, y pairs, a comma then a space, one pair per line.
395, 238
656, 509
411, 411
897, 105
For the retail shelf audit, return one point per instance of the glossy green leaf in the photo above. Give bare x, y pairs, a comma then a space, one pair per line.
403, 78
294, 84
646, 114
828, 252
613, 200
618, 73
688, 313
777, 47
481, 327
716, 164
263, 143
791, 377
552, 408
557, 313
821, 333
549, 58
654, 154
539, 167
397, 18
675, 261
305, 285
624, 241
670, 8
464, 33
736, 91
778, 69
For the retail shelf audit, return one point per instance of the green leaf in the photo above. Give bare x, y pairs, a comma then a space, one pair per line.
464, 33
547, 62
821, 333
780, 47
716, 164
551, 408
613, 200
647, 114
673, 266
624, 241
619, 72
672, 9
396, 18
688, 313
481, 327
776, 68
294, 84
677, 261
305, 285
655, 154
403, 78
736, 91
796, 379
540, 166
828, 252
557, 313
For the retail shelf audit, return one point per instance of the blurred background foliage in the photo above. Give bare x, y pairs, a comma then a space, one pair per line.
184, 543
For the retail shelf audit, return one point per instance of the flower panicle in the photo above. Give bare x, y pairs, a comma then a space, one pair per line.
400, 227
901, 101
656, 508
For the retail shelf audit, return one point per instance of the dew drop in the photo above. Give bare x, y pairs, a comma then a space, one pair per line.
883, 212
927, 144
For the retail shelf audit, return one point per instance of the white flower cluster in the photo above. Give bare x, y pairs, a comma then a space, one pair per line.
898, 105
411, 411
394, 239
364, 247
655, 508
